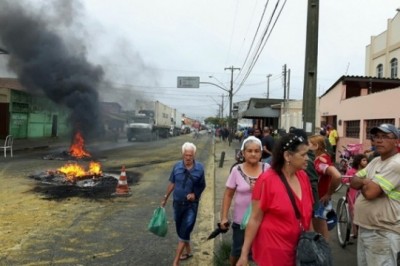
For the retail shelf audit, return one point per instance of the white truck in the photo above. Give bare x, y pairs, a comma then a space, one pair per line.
176, 126
152, 120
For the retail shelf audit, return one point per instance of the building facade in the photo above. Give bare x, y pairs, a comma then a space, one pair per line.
354, 105
383, 53
24, 115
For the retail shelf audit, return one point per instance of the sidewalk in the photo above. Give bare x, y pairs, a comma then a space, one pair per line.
209, 209
39, 143
341, 256
221, 175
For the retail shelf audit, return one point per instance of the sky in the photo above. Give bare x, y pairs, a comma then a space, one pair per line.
143, 46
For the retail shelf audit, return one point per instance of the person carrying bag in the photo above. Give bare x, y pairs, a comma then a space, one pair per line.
312, 248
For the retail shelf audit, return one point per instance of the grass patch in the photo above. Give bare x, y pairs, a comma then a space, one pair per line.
221, 255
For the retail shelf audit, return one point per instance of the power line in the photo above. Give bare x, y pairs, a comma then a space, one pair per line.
262, 43
254, 38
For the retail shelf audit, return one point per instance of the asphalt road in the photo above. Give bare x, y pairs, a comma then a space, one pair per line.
37, 228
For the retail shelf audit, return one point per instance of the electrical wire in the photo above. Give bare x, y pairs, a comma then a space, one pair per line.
262, 43
254, 38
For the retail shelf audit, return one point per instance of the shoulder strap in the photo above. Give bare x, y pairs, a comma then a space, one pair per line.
188, 175
245, 177
291, 196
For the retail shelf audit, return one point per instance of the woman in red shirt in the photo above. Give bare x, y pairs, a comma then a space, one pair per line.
329, 179
273, 229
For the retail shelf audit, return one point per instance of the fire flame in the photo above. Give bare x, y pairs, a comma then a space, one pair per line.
74, 171
77, 148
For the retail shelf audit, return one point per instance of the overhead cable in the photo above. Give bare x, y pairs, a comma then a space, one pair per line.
262, 43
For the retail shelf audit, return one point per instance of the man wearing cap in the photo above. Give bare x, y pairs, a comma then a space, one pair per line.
377, 209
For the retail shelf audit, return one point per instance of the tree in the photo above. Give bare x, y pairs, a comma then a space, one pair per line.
215, 121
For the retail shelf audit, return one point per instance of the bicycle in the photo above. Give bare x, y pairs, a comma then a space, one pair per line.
344, 216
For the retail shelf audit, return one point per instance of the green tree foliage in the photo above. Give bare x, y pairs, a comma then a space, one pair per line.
216, 121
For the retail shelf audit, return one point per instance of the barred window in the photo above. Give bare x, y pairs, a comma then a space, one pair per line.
375, 123
379, 71
393, 68
352, 129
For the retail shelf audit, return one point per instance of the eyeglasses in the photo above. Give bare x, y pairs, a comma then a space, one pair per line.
381, 137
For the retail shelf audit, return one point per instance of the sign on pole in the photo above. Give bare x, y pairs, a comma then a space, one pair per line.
189, 82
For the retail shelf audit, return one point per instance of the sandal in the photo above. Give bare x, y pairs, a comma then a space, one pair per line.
185, 256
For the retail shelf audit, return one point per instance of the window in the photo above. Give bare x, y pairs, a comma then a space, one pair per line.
379, 71
376, 123
393, 68
352, 129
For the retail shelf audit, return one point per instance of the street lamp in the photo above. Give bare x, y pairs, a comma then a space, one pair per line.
221, 83
230, 97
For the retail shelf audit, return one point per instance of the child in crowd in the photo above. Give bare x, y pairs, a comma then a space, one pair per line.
360, 161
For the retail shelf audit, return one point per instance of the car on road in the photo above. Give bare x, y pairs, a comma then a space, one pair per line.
185, 130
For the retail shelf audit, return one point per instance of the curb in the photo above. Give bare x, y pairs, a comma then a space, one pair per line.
204, 248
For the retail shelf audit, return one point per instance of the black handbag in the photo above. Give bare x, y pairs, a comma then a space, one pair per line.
312, 248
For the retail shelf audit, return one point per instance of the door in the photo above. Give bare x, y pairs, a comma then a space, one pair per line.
4, 120
54, 126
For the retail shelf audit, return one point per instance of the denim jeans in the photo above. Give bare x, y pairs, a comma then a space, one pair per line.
185, 213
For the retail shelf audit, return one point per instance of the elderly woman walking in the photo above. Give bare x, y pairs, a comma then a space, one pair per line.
239, 186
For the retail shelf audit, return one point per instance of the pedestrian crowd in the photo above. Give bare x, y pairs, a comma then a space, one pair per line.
283, 185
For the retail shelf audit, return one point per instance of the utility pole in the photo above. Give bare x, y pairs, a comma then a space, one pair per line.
288, 84
310, 68
284, 72
231, 93
268, 76
222, 106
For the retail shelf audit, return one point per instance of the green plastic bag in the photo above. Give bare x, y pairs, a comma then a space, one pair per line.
158, 223
246, 217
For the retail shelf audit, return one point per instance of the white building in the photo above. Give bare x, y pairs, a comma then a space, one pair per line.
383, 53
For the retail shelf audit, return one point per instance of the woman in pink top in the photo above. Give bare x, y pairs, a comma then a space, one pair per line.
240, 184
273, 230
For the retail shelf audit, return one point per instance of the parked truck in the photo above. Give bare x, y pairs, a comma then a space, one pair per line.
176, 126
152, 120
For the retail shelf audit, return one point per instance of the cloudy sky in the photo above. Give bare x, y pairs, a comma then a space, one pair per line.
143, 46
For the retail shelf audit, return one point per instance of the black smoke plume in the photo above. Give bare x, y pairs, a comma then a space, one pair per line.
44, 61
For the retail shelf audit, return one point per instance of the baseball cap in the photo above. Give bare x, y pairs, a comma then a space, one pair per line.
386, 128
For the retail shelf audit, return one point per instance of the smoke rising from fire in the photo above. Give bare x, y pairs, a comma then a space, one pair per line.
46, 60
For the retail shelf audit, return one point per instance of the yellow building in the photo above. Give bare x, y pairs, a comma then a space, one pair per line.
383, 53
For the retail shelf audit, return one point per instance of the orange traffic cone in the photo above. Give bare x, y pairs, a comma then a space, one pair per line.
122, 187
